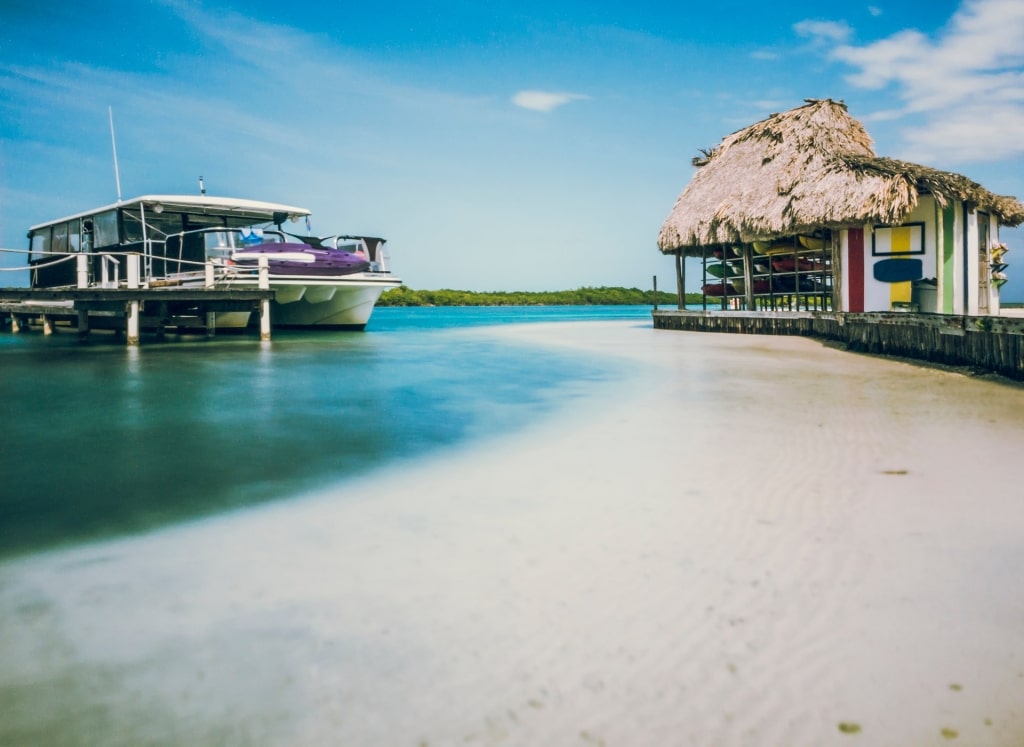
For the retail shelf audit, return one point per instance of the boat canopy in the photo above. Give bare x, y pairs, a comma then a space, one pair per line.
255, 210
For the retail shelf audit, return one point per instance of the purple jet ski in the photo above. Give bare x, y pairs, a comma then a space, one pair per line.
302, 259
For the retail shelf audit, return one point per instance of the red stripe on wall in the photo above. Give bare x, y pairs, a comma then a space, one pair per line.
855, 268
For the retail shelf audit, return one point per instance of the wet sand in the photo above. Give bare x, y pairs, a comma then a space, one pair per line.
744, 541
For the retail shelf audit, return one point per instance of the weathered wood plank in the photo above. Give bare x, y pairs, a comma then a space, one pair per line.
990, 343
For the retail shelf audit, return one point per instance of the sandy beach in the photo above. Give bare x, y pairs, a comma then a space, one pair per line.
740, 541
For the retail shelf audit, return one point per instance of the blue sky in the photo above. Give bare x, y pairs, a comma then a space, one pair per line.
498, 146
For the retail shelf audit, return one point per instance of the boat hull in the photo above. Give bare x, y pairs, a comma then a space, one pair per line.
311, 302
348, 307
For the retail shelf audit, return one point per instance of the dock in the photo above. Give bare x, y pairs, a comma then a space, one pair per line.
134, 303
988, 343
129, 309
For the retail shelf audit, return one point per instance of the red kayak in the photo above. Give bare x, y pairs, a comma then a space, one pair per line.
789, 264
719, 289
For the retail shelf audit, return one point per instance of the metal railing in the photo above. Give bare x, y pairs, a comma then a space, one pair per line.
137, 266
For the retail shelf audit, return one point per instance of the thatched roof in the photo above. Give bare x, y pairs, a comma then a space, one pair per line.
809, 168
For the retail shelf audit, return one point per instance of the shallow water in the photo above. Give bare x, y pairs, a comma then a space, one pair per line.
639, 568
99, 440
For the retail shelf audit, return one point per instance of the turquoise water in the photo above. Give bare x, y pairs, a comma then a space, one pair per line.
99, 440
396, 318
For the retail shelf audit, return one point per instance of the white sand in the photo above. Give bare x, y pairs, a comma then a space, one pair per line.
746, 541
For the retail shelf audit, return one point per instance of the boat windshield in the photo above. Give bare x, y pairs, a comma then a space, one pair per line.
220, 243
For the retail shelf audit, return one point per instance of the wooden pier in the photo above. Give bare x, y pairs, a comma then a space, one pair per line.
990, 343
130, 309
128, 305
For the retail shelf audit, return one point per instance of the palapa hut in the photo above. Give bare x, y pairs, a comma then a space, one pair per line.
797, 212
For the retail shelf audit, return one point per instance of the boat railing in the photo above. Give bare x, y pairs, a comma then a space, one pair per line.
154, 265
60, 257
215, 271
32, 267
128, 268
111, 270
166, 263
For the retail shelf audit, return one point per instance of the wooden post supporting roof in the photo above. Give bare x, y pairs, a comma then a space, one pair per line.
681, 278
748, 276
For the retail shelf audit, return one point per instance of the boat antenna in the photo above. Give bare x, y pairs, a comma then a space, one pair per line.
202, 187
113, 143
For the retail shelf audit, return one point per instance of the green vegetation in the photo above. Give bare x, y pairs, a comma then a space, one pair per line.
404, 296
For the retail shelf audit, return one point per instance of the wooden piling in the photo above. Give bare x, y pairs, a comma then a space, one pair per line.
82, 270
132, 332
264, 284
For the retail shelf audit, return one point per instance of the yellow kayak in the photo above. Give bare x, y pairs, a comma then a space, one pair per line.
812, 242
770, 249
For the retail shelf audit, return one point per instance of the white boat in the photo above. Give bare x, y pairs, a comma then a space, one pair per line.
188, 240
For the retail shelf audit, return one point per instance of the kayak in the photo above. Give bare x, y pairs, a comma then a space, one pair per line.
724, 270
719, 289
768, 249
812, 242
789, 264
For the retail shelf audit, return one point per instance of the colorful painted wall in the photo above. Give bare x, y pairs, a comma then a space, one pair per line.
885, 266
936, 261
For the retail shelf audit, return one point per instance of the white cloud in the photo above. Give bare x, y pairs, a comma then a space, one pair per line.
544, 101
961, 135
874, 10
966, 82
831, 31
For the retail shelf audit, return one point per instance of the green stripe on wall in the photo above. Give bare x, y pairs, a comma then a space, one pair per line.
948, 225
